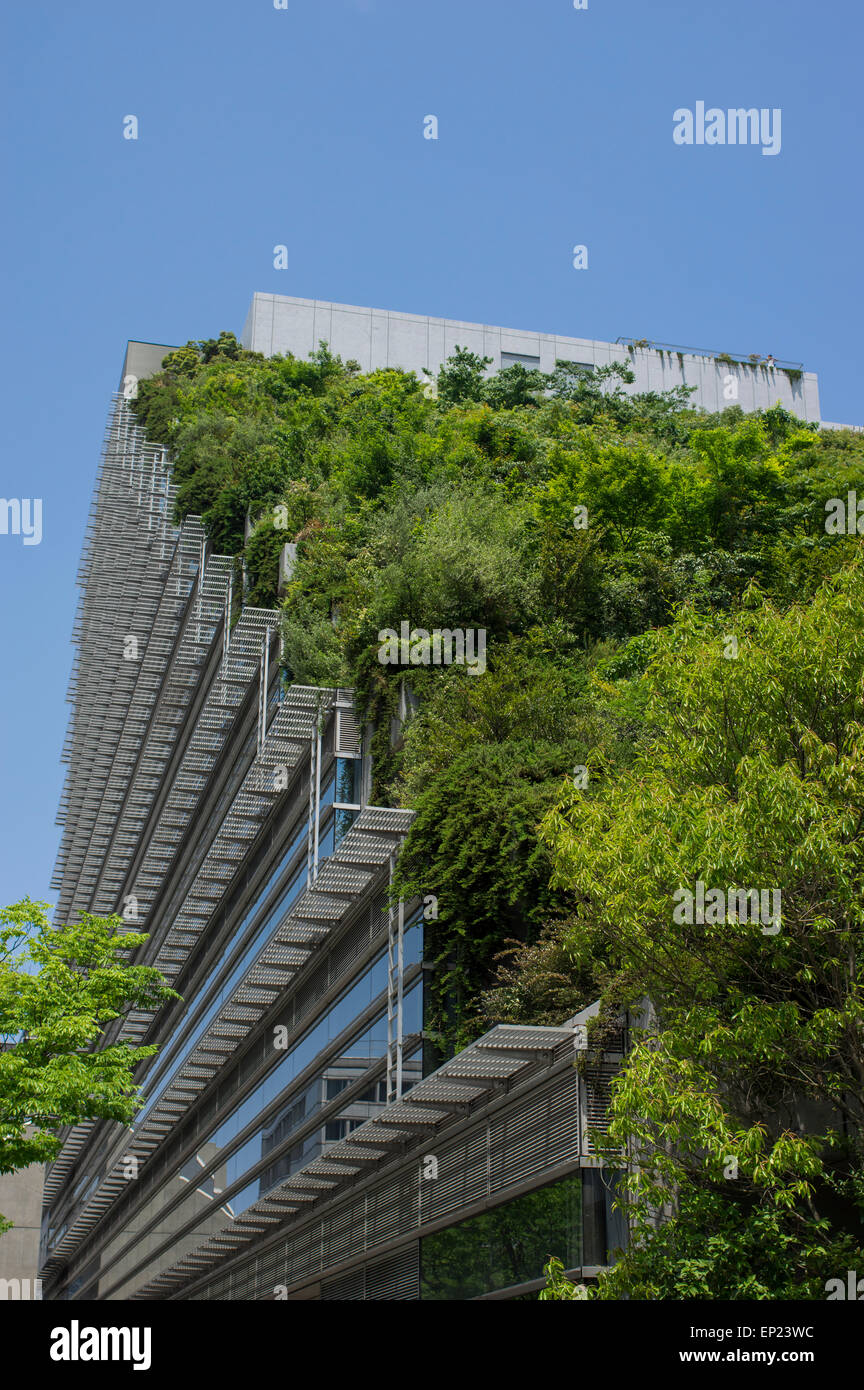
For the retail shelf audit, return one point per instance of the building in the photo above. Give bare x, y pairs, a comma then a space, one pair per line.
21, 1203
296, 1140
378, 338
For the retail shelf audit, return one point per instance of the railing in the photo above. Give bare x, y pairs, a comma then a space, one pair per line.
752, 359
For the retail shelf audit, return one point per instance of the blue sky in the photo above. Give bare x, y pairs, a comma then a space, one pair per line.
304, 126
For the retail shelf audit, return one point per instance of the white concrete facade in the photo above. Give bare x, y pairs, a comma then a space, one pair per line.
21, 1203
376, 338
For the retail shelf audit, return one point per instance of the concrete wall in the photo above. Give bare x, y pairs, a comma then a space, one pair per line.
21, 1202
381, 338
143, 359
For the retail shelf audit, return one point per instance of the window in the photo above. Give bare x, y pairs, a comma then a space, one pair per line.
343, 823
506, 1246
509, 359
347, 781
603, 1230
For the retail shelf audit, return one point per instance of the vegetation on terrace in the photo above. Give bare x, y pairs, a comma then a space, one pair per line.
609, 649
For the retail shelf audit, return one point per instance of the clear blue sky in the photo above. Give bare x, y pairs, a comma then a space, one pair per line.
304, 127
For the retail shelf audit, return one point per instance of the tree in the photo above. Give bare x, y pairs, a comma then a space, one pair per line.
514, 386
559, 1288
575, 381
60, 987
473, 845
742, 1106
462, 378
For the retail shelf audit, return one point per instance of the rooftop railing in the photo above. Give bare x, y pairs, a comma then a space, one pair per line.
752, 359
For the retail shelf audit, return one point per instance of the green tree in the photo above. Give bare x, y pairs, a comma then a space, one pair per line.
462, 378
742, 1106
559, 1289
573, 381
514, 386
473, 845
60, 988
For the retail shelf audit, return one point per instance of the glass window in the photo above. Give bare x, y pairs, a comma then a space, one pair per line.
328, 791
525, 359
604, 1229
506, 1246
268, 926
343, 822
186, 1044
326, 841
347, 780
217, 1166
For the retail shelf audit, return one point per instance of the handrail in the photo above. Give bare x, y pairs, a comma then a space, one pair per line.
752, 359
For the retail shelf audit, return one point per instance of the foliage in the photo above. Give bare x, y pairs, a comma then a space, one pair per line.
607, 648
60, 988
558, 1287
460, 509
472, 845
745, 1098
